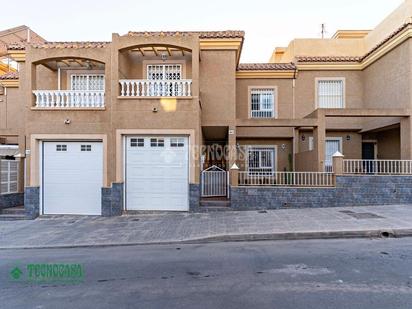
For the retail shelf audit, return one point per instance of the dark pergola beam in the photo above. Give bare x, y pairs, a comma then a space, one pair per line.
155, 51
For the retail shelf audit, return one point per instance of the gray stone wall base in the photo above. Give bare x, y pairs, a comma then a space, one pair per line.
11, 200
349, 191
32, 202
112, 200
194, 197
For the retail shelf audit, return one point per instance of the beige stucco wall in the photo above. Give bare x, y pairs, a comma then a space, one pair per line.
306, 161
218, 87
387, 82
323, 47
352, 148
306, 89
11, 111
283, 96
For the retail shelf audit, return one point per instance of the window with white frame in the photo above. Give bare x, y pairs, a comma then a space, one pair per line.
331, 93
87, 82
262, 102
164, 72
261, 160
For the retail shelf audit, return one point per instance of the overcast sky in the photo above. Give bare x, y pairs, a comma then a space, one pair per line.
268, 23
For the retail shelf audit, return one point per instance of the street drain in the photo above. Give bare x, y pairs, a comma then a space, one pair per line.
386, 234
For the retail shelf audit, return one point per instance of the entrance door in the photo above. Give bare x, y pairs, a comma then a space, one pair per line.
332, 145
368, 153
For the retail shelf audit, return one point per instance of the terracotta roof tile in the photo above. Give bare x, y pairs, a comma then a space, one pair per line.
16, 46
389, 37
227, 34
328, 59
74, 45
266, 66
10, 76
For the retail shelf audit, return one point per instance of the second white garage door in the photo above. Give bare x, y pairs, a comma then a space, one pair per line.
157, 173
72, 178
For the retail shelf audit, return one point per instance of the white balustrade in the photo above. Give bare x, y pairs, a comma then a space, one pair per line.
377, 167
286, 179
155, 88
69, 99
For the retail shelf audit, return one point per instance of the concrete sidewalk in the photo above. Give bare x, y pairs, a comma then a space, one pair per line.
79, 231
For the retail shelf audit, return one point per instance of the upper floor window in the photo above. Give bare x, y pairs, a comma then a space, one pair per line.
330, 93
87, 82
164, 72
262, 103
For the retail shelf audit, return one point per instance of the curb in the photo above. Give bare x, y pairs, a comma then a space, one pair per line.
381, 233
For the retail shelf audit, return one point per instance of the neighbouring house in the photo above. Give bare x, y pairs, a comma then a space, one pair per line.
173, 121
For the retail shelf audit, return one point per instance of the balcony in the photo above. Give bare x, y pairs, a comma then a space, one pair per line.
68, 99
155, 88
68, 83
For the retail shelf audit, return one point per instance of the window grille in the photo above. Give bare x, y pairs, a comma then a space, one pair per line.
261, 160
262, 103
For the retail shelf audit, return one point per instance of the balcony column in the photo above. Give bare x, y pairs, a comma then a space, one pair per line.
319, 137
406, 138
195, 70
232, 157
295, 147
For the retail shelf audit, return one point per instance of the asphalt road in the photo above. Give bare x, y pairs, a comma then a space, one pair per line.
283, 274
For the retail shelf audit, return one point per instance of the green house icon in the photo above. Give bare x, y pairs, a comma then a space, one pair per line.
16, 273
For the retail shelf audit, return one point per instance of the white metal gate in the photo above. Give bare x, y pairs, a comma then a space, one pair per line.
214, 182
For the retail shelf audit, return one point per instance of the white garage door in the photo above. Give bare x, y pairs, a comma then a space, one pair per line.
72, 178
157, 173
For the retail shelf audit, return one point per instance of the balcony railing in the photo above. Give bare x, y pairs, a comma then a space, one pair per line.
377, 167
69, 99
287, 179
155, 88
